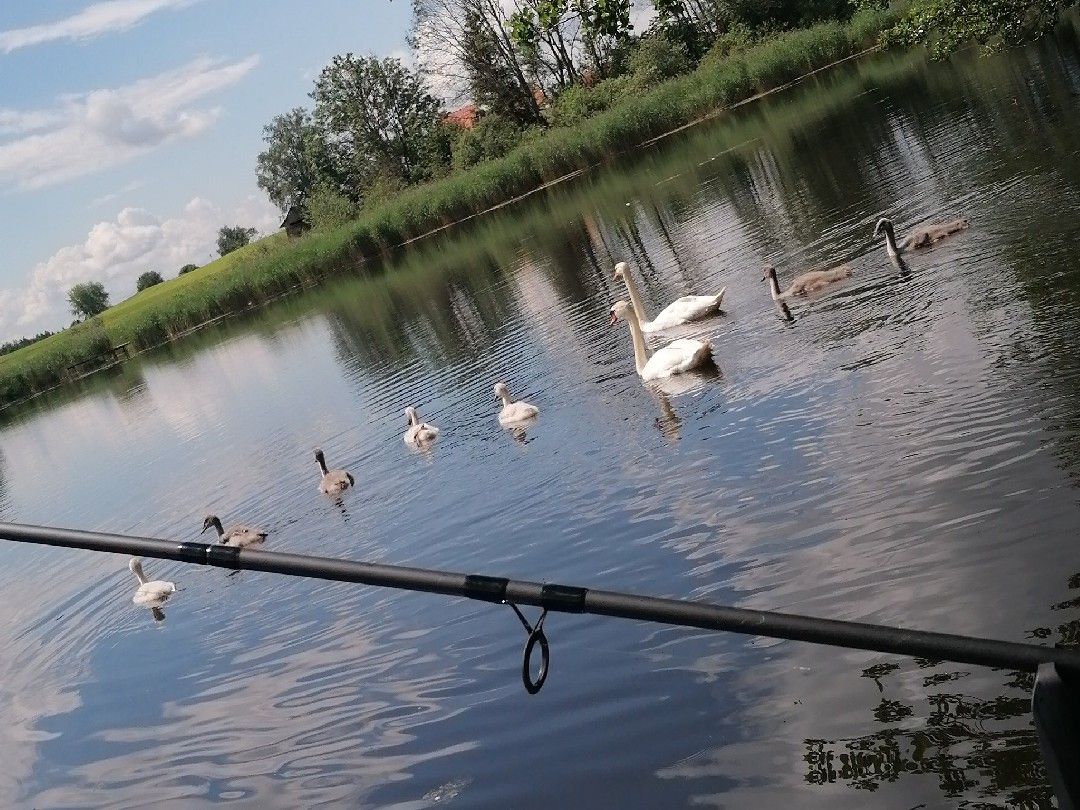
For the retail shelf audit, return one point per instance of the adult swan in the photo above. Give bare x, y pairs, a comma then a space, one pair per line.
677, 357
683, 310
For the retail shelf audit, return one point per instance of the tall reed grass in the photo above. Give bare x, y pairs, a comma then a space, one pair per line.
273, 266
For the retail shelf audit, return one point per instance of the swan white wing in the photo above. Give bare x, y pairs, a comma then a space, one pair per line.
418, 434
677, 357
155, 591
686, 309
517, 412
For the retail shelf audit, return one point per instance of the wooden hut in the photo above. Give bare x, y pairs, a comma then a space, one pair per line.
295, 222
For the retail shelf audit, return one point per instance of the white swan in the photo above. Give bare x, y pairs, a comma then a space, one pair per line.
418, 432
513, 412
150, 592
237, 535
677, 357
333, 482
805, 283
921, 237
683, 310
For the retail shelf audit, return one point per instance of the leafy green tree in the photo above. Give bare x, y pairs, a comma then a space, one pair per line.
946, 25
657, 58
377, 118
327, 208
232, 238
148, 279
187, 268
88, 299
295, 158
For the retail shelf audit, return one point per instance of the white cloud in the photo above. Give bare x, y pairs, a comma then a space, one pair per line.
94, 20
97, 130
134, 185
116, 251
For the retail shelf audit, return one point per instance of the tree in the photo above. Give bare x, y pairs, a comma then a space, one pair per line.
375, 117
148, 279
563, 38
232, 238
946, 25
187, 268
495, 80
464, 48
88, 299
295, 159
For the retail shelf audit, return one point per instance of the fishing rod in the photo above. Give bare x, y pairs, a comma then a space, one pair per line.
1055, 701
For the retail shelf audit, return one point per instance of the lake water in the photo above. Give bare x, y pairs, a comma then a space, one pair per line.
903, 450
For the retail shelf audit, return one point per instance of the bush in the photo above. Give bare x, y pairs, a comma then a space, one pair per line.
187, 268
234, 237
947, 25
576, 103
735, 40
328, 208
491, 137
148, 279
657, 59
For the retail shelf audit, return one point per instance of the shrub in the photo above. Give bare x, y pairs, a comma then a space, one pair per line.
576, 103
658, 58
328, 208
735, 40
491, 137
148, 279
187, 268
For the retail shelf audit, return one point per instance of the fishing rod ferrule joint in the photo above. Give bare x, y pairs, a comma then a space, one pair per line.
563, 598
485, 589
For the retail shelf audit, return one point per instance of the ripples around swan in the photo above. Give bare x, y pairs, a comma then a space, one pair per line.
899, 449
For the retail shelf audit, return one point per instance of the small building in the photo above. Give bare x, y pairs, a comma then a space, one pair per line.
295, 222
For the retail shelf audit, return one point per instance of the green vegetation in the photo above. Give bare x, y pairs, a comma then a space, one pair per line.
187, 268
88, 299
587, 123
147, 280
232, 238
945, 26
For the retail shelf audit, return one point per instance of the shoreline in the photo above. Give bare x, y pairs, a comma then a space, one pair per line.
273, 267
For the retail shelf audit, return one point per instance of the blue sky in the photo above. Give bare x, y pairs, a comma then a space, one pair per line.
129, 130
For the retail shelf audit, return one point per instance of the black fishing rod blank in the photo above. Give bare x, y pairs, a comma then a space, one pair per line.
1056, 700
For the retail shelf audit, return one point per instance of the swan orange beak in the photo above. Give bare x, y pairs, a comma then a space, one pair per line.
614, 318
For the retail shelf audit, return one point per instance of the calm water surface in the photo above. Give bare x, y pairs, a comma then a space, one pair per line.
903, 450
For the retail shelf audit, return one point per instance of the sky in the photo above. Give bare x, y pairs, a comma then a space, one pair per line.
129, 131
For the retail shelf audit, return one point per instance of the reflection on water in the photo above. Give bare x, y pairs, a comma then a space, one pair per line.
974, 746
899, 449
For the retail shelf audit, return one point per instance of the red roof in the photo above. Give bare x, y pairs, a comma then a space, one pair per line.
463, 117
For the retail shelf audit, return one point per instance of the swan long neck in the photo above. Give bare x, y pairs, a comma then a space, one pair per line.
136, 569
322, 464
504, 396
635, 296
641, 357
774, 286
890, 239
218, 526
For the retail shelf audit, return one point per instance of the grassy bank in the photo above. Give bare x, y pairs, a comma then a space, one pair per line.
274, 266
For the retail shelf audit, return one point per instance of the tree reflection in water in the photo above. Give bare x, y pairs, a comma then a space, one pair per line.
961, 742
